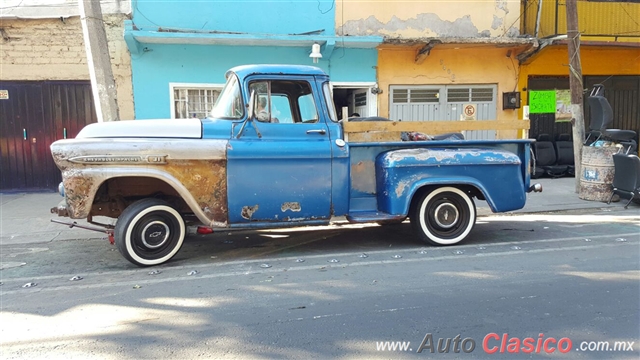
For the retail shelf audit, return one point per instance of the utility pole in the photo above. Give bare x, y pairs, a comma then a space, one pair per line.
575, 83
103, 84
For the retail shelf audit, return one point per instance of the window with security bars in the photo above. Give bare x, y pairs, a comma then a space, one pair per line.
194, 102
469, 94
416, 95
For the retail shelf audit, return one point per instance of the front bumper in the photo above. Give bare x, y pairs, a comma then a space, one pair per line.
61, 209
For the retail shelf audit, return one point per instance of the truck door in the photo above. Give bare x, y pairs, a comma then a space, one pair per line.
279, 168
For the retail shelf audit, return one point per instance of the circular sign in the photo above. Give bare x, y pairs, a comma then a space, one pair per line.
469, 110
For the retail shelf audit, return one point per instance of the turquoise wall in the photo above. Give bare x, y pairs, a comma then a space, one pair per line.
242, 16
161, 64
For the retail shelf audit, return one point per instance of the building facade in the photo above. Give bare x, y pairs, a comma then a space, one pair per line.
45, 92
468, 65
181, 50
444, 61
609, 52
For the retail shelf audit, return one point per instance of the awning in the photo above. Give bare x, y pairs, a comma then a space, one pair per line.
135, 39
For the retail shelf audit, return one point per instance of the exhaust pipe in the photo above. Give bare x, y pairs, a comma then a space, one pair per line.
535, 188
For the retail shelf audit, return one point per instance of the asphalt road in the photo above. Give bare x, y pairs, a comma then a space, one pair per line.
336, 292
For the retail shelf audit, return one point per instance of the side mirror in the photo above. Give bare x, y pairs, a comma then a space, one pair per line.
252, 106
251, 115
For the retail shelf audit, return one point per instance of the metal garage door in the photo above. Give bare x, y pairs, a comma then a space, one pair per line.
32, 116
444, 102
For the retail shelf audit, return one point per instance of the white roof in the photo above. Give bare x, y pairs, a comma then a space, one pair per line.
48, 9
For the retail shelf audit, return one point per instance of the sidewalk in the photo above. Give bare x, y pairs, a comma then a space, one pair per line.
25, 217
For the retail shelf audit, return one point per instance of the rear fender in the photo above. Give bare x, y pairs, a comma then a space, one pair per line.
494, 173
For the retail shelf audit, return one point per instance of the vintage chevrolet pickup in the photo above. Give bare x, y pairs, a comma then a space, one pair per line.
273, 154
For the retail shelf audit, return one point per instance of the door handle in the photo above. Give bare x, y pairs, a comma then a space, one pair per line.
317, 131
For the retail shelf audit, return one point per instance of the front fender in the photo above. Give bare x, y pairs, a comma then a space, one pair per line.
81, 187
496, 173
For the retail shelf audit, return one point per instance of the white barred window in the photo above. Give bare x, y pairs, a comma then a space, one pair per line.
193, 100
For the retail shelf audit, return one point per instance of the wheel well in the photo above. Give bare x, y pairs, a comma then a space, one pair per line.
116, 194
470, 190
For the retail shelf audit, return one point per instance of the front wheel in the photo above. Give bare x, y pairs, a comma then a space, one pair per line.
444, 216
149, 232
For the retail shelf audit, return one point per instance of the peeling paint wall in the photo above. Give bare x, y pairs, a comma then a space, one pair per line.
403, 19
446, 65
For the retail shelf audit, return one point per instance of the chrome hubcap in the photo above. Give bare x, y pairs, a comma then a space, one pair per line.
155, 234
446, 215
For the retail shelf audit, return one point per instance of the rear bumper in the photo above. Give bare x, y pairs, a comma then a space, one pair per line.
535, 188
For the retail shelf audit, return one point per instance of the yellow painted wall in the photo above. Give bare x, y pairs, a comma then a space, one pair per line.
594, 17
445, 66
430, 18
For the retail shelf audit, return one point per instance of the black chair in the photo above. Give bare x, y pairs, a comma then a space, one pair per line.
602, 118
626, 180
564, 153
546, 160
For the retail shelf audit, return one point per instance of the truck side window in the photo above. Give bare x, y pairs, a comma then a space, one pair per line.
308, 112
285, 101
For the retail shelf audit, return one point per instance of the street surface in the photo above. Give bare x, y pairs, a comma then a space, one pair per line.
342, 291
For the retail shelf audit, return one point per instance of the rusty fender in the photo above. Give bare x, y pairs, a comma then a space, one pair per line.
195, 169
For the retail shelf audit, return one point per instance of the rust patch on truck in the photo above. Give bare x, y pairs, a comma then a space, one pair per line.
248, 211
79, 192
293, 206
206, 180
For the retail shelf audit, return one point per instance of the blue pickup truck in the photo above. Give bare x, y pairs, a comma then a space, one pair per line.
273, 154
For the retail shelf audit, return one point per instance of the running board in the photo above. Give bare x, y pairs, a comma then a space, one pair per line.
372, 216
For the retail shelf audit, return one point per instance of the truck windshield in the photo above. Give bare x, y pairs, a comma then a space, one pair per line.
229, 103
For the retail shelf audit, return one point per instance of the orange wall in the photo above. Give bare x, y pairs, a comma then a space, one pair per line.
445, 66
553, 61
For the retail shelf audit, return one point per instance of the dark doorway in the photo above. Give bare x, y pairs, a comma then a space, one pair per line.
623, 93
32, 116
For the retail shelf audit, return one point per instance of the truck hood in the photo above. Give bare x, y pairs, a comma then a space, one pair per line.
182, 128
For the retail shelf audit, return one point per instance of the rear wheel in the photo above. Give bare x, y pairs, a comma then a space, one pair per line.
149, 232
444, 216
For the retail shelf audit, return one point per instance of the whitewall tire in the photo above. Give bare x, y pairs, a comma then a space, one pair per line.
444, 216
149, 232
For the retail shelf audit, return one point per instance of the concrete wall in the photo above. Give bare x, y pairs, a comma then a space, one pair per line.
239, 16
415, 19
50, 49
